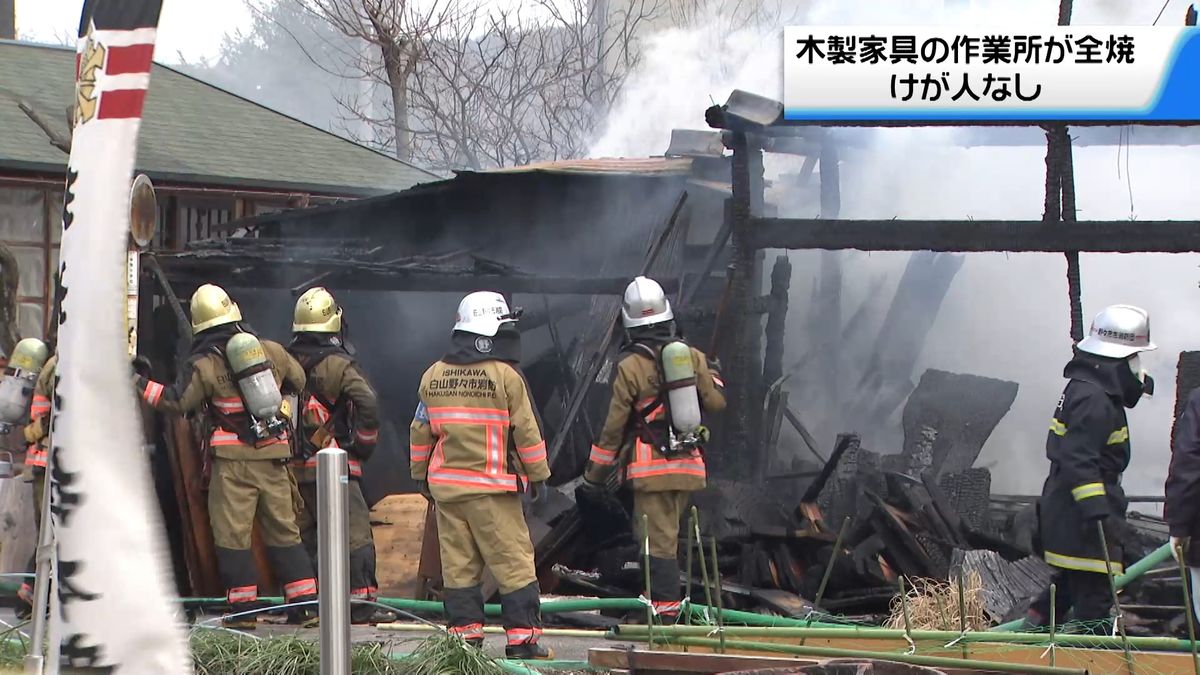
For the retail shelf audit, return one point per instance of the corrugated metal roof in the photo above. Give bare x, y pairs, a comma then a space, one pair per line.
630, 166
192, 132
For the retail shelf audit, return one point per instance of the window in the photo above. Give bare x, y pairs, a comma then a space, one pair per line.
24, 215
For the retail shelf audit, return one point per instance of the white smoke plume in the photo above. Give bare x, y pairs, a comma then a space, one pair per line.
1005, 316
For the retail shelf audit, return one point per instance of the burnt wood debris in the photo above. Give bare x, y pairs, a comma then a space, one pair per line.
802, 526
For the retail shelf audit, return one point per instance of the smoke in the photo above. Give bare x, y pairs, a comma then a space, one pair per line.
1005, 316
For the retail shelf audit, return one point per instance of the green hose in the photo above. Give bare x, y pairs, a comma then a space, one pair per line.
1151, 561
730, 616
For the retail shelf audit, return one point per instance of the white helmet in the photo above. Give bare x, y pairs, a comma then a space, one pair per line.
645, 304
483, 312
1118, 332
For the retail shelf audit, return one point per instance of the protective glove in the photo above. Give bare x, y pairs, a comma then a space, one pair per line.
423, 489
591, 489
537, 491
141, 366
1178, 543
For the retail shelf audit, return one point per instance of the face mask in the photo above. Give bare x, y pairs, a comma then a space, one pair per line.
1143, 375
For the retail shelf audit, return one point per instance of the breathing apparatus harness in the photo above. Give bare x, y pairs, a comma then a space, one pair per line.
662, 434
249, 431
341, 412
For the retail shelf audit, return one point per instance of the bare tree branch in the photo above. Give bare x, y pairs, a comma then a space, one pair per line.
464, 85
55, 138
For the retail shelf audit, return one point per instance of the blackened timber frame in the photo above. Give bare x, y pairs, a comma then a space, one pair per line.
978, 236
751, 232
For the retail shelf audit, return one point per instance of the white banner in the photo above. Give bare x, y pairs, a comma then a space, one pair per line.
974, 72
115, 595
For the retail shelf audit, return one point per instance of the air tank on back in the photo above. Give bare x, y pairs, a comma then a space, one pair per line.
16, 389
683, 399
260, 391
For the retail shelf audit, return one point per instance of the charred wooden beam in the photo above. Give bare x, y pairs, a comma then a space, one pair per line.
781, 281
255, 276
1017, 236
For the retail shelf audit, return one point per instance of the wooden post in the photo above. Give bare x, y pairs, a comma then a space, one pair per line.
740, 433
781, 280
1059, 145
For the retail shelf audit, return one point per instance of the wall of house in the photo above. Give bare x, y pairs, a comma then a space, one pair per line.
30, 225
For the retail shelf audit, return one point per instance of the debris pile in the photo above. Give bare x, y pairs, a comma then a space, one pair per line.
839, 541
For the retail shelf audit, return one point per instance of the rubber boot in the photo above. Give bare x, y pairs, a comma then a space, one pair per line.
521, 612
528, 651
369, 615
245, 622
664, 590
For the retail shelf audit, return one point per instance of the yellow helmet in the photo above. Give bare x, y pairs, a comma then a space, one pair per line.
211, 307
317, 312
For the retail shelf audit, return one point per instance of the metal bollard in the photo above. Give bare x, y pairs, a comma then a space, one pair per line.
334, 560
35, 662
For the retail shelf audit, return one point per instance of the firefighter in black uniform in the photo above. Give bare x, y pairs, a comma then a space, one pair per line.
1088, 448
1182, 490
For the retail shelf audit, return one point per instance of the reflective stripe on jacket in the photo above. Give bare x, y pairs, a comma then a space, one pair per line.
636, 386
37, 432
475, 431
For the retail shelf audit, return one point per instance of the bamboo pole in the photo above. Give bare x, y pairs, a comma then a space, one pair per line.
1054, 619
1187, 606
718, 591
962, 614
904, 613
646, 575
687, 593
1081, 641
1155, 558
837, 547
703, 563
686, 606
914, 659
1112, 585
493, 630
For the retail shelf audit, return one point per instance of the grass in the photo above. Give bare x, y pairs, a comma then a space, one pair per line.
443, 654
225, 653
13, 648
934, 605
216, 652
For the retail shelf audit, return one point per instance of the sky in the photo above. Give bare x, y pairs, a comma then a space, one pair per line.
193, 28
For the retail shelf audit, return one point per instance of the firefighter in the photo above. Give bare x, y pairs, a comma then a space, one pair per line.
338, 408
1088, 448
235, 379
37, 435
1182, 491
654, 414
476, 444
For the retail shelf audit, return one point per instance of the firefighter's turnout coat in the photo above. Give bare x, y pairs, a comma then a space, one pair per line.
339, 407
637, 391
1182, 508
37, 432
206, 383
1088, 448
476, 432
